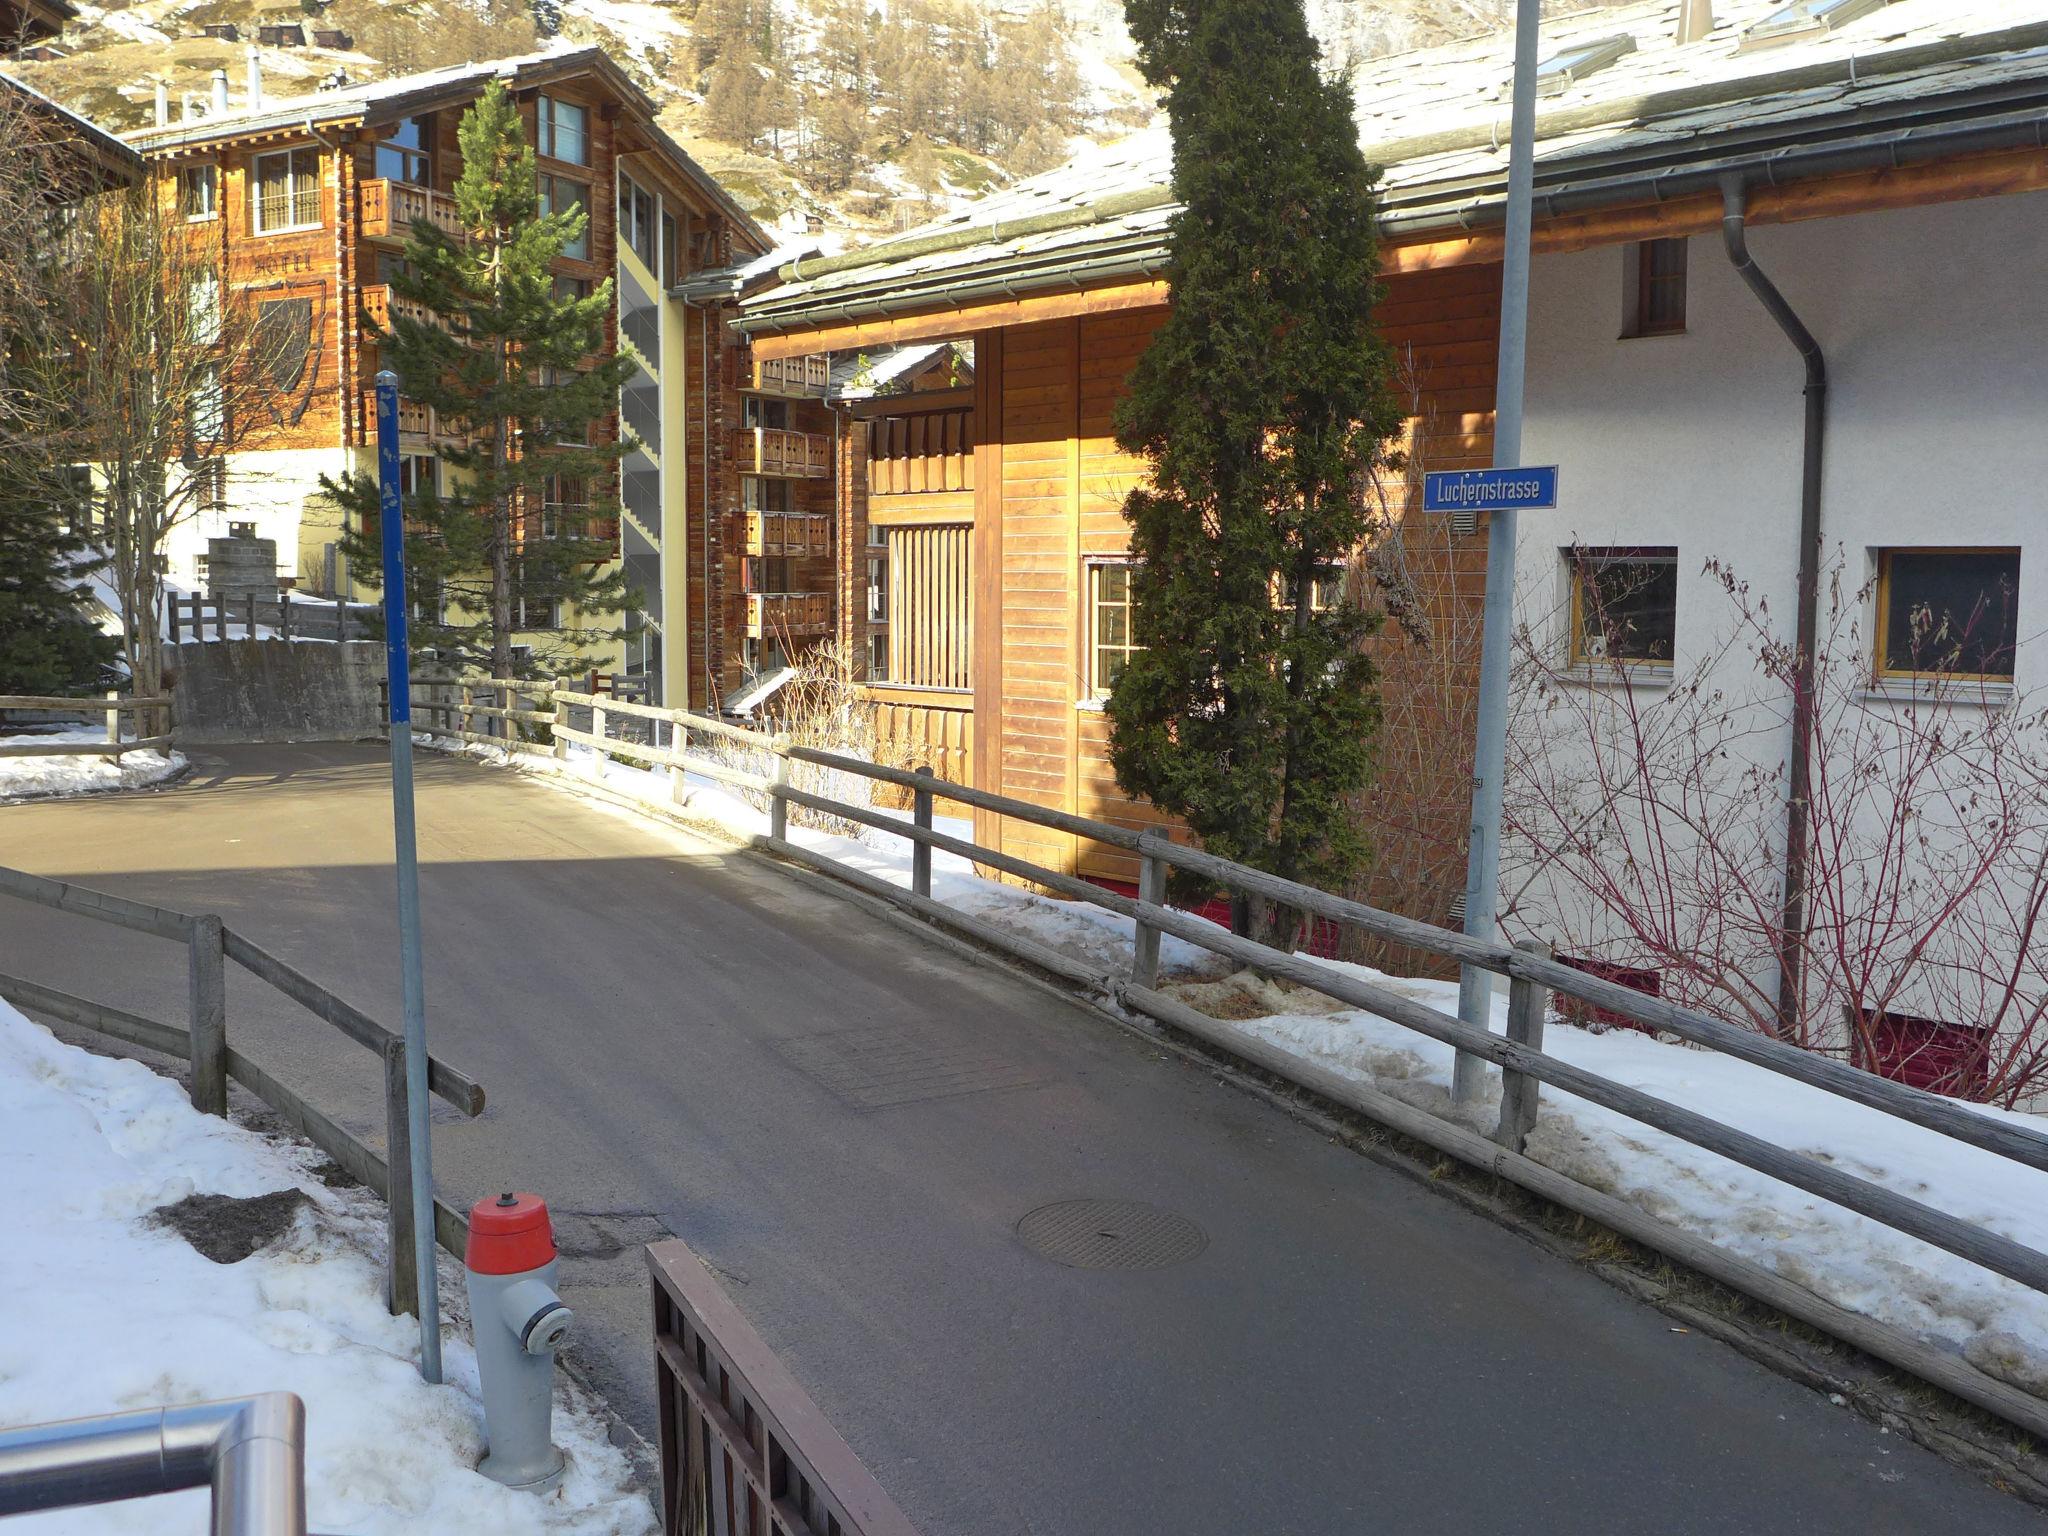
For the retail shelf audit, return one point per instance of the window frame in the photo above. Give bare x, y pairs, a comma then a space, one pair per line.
1882, 671
1095, 691
406, 154
188, 177
1640, 286
257, 226
546, 182
640, 235
548, 133
1579, 560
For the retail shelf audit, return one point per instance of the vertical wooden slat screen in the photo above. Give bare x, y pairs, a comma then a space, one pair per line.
930, 569
921, 452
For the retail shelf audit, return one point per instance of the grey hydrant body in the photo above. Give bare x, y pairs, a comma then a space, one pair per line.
519, 1322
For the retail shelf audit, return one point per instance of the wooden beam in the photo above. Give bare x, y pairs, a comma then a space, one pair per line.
918, 507
962, 320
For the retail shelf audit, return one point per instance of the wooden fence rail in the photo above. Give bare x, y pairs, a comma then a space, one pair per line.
1534, 976
214, 1062
152, 718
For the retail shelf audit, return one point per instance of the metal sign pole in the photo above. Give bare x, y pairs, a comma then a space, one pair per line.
1482, 861
398, 669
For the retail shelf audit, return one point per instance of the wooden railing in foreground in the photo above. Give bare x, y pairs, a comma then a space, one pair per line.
765, 765
208, 944
152, 725
744, 1450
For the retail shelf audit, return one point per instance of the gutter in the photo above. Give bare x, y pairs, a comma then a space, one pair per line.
1792, 911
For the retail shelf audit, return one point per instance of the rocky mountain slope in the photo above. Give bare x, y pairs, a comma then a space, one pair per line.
854, 115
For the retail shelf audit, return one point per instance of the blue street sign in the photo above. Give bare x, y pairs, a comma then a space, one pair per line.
1534, 486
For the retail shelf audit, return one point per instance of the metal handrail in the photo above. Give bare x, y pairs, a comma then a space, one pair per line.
250, 1450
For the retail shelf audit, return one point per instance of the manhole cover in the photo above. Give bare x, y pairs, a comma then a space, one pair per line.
1111, 1234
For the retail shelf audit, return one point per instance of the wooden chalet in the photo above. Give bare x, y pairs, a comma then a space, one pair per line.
309, 201
991, 519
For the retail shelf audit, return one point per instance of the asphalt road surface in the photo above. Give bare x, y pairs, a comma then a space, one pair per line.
849, 1122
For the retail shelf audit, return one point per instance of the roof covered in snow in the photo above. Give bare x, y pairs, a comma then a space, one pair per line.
863, 375
117, 160
1436, 121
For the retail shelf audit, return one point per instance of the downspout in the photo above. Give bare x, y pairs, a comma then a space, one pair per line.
1792, 915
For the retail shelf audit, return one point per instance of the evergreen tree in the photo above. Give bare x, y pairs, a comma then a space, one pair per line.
1264, 405
502, 370
49, 643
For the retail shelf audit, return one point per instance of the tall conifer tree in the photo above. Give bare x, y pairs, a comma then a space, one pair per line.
1264, 404
514, 527
49, 643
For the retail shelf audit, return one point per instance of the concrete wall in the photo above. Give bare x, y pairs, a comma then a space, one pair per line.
275, 690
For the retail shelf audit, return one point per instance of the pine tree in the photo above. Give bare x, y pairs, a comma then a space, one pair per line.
503, 368
1264, 405
48, 641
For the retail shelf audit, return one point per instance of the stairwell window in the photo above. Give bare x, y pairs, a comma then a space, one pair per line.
637, 220
561, 192
1653, 289
564, 130
1948, 613
285, 191
1624, 607
1111, 642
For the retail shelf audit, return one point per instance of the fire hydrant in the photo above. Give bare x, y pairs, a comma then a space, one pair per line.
519, 1322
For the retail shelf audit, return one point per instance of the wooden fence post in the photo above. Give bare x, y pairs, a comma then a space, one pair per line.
1527, 1003
597, 731
778, 808
1145, 942
340, 619
249, 630
284, 615
114, 718
921, 853
206, 963
220, 620
401, 1273
561, 721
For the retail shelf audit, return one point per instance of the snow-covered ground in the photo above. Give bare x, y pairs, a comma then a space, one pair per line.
108, 1312
1999, 1326
65, 774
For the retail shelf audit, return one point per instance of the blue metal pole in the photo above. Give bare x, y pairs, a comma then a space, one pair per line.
398, 669
1482, 859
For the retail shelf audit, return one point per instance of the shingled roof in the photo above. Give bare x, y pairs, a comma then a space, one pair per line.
1899, 82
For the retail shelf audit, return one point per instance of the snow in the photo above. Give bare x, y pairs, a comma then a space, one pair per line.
110, 1313
62, 774
1997, 1325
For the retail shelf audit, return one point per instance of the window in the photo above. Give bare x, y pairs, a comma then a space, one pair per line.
1654, 289
637, 220
1948, 612
764, 495
565, 507
1637, 978
285, 191
1924, 1053
878, 591
207, 482
417, 475
567, 288
925, 594
1325, 595
202, 306
1624, 606
532, 610
1110, 637
878, 657
1805, 18
405, 155
564, 130
756, 412
199, 191
557, 195
205, 409
1565, 68
668, 273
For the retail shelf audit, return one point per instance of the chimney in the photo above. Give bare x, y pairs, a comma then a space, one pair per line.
1695, 20
220, 93
163, 103
255, 78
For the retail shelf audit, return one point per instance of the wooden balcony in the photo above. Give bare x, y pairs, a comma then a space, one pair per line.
414, 420
390, 207
789, 533
573, 520
772, 451
796, 614
807, 377
383, 306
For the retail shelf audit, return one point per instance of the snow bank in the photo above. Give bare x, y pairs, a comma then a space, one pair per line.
113, 1313
66, 775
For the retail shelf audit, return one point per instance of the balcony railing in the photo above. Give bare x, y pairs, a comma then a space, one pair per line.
414, 419
772, 451
383, 306
574, 520
808, 376
788, 613
789, 533
390, 207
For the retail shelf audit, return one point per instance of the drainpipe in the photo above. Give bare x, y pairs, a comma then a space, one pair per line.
1792, 916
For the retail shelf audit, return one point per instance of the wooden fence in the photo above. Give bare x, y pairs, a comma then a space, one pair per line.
152, 725
1534, 978
192, 616
208, 946
744, 1450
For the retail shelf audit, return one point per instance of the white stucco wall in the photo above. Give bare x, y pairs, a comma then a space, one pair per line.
272, 489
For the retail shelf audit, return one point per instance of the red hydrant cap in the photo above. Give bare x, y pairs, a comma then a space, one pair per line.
509, 1234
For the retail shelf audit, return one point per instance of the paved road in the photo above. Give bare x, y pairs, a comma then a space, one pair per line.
676, 1038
